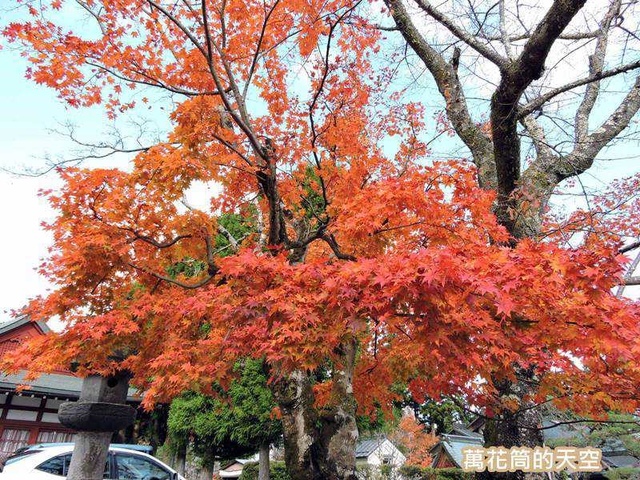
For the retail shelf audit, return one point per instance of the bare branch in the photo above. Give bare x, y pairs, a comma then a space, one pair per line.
466, 37
515, 79
583, 155
631, 246
504, 35
538, 102
94, 15
537, 134
526, 36
446, 78
596, 65
262, 232
230, 237
164, 278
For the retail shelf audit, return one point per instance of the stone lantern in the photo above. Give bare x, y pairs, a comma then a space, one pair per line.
100, 411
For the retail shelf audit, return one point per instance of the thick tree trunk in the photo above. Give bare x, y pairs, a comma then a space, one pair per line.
520, 428
320, 443
206, 473
89, 456
339, 432
295, 398
263, 462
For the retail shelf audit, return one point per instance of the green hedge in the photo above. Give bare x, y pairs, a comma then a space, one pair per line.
278, 471
623, 473
419, 473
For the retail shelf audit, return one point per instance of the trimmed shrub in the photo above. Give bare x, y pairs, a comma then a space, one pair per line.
418, 473
277, 471
623, 473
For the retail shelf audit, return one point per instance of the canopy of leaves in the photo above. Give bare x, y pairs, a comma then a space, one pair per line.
193, 421
348, 240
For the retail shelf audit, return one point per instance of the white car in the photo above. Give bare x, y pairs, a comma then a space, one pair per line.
52, 463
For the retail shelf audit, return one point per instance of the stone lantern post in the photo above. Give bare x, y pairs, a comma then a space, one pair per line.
100, 411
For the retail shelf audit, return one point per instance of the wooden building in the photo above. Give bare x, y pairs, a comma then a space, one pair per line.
31, 416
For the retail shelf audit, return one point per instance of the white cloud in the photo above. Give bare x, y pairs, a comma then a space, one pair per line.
23, 242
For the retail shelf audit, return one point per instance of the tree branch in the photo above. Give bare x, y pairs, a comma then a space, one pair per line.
520, 73
446, 78
466, 37
333, 243
538, 102
631, 246
153, 242
629, 281
230, 237
596, 65
584, 153
189, 286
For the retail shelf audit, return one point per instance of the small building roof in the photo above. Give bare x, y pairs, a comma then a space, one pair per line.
364, 448
613, 446
617, 461
52, 384
20, 321
453, 445
459, 429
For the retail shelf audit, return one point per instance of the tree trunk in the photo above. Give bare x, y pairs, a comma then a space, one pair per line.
295, 399
263, 461
181, 459
89, 456
206, 473
339, 432
515, 429
320, 443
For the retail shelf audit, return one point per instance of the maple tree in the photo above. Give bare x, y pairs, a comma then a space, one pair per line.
553, 97
360, 265
415, 441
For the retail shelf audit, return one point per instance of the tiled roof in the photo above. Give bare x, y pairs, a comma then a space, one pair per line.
48, 384
621, 461
453, 444
18, 322
52, 384
459, 429
364, 448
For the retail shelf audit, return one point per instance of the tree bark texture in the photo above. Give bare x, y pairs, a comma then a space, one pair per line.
320, 442
181, 460
89, 456
263, 462
520, 428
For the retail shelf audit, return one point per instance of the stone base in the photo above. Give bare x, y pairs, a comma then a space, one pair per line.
96, 416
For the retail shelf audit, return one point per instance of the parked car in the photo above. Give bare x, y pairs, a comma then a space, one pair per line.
40, 462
